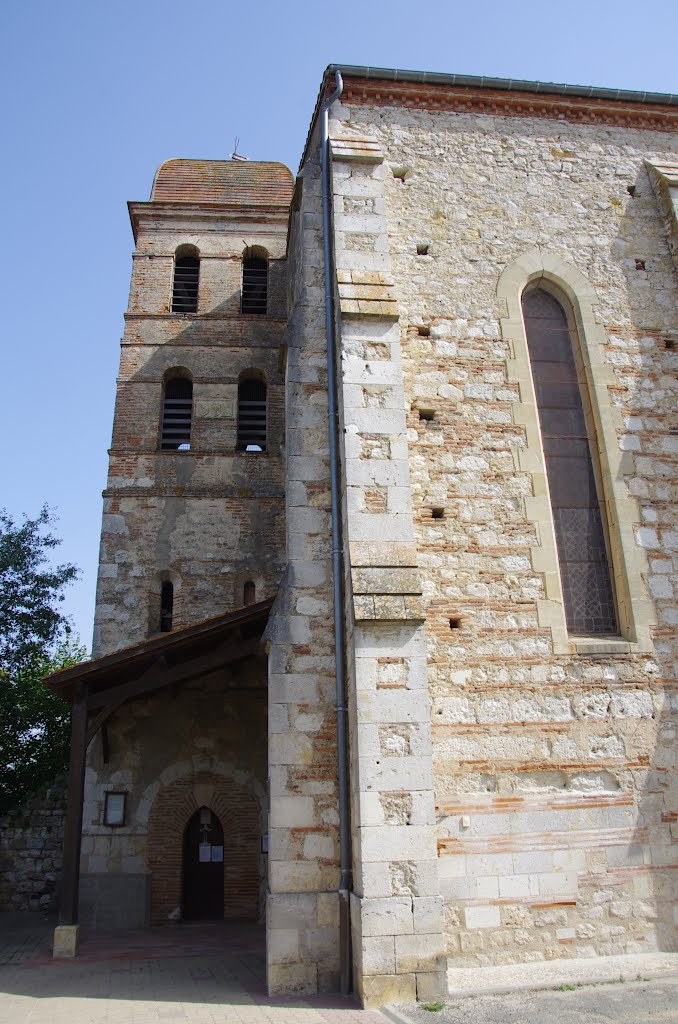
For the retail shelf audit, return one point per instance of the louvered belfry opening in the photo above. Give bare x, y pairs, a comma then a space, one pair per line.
177, 412
578, 518
254, 285
185, 285
166, 606
251, 416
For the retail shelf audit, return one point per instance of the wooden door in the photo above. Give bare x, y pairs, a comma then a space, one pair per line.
203, 867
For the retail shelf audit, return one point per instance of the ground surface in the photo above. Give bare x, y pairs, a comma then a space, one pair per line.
205, 974
214, 974
628, 1003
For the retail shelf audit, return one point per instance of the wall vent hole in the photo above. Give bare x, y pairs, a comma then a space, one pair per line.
631, 189
424, 331
640, 264
426, 414
437, 513
670, 344
455, 622
401, 173
422, 249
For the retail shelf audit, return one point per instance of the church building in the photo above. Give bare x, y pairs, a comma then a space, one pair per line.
385, 638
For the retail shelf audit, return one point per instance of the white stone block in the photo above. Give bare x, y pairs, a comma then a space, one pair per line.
482, 917
391, 916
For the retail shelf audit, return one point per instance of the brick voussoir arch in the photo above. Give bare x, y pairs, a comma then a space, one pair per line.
238, 812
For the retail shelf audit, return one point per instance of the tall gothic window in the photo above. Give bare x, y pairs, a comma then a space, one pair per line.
177, 410
186, 279
251, 415
577, 515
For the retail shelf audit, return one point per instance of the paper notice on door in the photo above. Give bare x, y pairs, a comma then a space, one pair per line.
218, 854
204, 853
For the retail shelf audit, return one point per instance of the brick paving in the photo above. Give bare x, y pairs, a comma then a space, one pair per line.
209, 974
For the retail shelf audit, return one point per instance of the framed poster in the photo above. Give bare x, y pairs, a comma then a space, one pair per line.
114, 808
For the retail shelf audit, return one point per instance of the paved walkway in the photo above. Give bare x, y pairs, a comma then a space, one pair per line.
647, 1002
211, 974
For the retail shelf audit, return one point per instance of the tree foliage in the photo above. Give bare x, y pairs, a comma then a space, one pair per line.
30, 590
34, 641
34, 727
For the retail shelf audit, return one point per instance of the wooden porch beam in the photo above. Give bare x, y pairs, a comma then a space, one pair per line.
157, 677
68, 908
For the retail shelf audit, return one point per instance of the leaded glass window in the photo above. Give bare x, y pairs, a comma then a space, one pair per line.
575, 502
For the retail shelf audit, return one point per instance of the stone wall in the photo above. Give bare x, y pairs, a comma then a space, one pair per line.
31, 841
302, 906
201, 745
210, 518
553, 756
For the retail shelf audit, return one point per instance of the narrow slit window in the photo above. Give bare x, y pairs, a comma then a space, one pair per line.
177, 411
185, 284
254, 285
166, 606
577, 509
251, 416
249, 593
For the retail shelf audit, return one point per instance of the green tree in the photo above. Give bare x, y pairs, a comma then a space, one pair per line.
30, 590
35, 639
35, 727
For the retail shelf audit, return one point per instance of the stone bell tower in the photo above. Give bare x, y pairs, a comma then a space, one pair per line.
194, 508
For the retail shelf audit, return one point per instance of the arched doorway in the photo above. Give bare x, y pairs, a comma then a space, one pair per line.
238, 814
203, 867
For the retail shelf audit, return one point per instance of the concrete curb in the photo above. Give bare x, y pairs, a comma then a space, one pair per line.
602, 970
395, 1015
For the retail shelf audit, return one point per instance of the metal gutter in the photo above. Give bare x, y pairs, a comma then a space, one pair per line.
507, 84
337, 559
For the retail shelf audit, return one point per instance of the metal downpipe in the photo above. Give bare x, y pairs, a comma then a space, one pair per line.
337, 567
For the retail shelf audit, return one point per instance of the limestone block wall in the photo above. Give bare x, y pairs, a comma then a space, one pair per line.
302, 905
209, 519
31, 840
397, 910
204, 745
554, 760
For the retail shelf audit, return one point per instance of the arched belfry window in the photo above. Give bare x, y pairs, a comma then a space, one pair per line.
177, 411
186, 280
251, 415
577, 513
249, 593
254, 298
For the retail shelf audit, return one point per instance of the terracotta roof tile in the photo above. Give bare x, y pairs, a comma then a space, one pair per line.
223, 181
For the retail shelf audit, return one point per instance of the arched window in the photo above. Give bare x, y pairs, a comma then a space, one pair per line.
186, 279
577, 514
166, 606
249, 593
251, 415
254, 298
177, 410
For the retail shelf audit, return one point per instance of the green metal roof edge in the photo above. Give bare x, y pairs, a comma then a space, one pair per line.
509, 84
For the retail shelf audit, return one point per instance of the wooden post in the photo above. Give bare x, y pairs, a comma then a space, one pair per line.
68, 908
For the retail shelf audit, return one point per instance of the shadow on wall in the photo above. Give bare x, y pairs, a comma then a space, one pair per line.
647, 361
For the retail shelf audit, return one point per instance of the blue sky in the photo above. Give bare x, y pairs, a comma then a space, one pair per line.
97, 95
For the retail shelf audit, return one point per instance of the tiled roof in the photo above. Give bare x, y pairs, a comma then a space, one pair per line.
223, 181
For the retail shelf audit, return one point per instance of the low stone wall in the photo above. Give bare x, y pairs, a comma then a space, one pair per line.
31, 840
